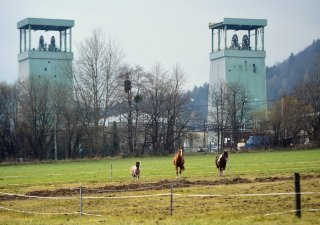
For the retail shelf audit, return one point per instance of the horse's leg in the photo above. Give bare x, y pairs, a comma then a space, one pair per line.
177, 171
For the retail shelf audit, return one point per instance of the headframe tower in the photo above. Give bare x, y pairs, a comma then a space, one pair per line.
242, 62
238, 61
46, 59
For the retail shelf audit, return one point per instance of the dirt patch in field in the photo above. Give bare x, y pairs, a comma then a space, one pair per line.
160, 185
130, 187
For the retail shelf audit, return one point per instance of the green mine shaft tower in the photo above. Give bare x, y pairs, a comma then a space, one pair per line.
238, 56
46, 51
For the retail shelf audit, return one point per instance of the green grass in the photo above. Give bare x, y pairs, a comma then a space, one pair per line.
155, 168
23, 178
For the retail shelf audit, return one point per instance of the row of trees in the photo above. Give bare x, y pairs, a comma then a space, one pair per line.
118, 109
298, 113
114, 109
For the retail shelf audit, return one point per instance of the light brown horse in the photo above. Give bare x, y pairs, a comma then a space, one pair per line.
135, 171
178, 161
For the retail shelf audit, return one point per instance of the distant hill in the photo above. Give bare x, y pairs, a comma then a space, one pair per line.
284, 76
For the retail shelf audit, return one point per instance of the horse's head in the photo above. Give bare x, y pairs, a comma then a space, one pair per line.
180, 151
137, 164
225, 154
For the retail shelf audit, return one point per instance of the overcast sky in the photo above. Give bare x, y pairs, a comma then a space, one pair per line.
164, 31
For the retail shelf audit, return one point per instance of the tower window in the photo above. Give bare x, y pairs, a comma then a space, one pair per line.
254, 68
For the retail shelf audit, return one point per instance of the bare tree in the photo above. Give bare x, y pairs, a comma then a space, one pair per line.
128, 91
237, 109
162, 106
138, 82
153, 106
288, 118
176, 120
217, 111
36, 113
96, 74
8, 121
133, 81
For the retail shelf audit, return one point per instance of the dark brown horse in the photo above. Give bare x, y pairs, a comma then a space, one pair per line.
221, 162
178, 161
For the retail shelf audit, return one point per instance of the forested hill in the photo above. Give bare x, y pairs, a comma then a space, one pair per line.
198, 103
284, 76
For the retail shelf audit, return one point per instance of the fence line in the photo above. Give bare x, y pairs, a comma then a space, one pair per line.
155, 195
127, 197
97, 215
41, 213
245, 195
202, 195
164, 194
297, 193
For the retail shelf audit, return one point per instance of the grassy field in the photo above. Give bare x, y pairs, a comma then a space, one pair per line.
200, 197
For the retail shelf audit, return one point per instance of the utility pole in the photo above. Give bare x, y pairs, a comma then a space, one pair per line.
204, 134
55, 138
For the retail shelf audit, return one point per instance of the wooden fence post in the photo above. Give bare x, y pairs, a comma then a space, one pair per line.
80, 201
228, 167
111, 172
171, 199
297, 195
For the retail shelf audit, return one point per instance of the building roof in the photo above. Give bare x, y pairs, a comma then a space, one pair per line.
239, 24
45, 24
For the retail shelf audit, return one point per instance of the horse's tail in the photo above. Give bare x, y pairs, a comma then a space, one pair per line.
216, 161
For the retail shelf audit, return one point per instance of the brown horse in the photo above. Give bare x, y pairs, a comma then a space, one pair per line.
221, 162
178, 160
